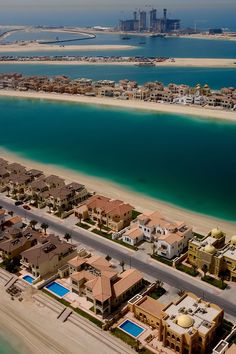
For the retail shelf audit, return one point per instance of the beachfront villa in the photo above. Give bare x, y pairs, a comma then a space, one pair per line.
15, 240
170, 238
150, 91
188, 326
213, 254
95, 279
48, 256
40, 190
112, 213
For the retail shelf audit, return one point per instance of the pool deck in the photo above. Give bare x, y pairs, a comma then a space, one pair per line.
155, 346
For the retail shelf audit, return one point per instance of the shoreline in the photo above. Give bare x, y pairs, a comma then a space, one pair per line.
49, 47
193, 111
200, 222
32, 328
178, 62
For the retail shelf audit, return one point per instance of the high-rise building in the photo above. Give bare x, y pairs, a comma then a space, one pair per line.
153, 20
159, 25
142, 20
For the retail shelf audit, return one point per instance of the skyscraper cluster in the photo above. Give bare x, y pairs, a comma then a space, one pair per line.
142, 22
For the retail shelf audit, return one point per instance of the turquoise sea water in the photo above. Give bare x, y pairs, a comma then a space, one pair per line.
215, 78
184, 161
5, 347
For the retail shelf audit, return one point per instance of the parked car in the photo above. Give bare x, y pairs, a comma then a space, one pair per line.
26, 207
18, 202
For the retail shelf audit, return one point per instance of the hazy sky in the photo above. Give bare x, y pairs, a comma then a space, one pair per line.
219, 12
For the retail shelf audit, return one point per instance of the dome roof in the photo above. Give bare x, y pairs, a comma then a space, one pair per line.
233, 240
216, 233
209, 249
185, 321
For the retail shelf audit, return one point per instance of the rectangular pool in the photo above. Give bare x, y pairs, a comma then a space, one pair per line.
28, 278
131, 328
57, 289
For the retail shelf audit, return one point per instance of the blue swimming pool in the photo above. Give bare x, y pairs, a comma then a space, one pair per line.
131, 328
57, 289
28, 278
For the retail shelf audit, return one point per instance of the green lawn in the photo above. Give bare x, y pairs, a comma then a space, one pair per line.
90, 221
89, 317
157, 293
84, 226
123, 336
129, 340
169, 262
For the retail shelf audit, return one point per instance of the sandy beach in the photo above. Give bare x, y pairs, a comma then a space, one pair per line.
34, 329
178, 62
35, 47
201, 223
200, 112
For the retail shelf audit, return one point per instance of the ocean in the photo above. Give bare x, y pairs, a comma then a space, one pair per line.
5, 346
184, 161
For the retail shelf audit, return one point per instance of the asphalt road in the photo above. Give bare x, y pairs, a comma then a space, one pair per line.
157, 270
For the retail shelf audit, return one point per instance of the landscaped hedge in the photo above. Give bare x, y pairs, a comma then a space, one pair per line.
187, 270
89, 317
215, 282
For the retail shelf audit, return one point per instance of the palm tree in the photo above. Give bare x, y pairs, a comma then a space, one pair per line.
204, 269
154, 247
8, 190
100, 225
50, 206
67, 236
122, 264
80, 217
44, 226
159, 283
33, 223
194, 267
11, 213
108, 258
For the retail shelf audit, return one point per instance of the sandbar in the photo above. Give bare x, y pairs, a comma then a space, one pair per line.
35, 47
175, 62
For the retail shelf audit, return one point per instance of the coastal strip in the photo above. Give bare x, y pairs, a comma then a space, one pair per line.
193, 111
200, 222
34, 47
173, 62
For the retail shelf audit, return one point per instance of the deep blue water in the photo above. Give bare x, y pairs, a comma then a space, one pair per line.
214, 77
183, 161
